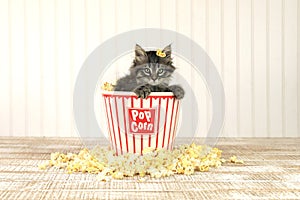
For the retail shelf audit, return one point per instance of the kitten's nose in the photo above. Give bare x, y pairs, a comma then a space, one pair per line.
153, 78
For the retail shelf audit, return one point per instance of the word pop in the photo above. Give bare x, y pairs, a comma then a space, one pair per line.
141, 120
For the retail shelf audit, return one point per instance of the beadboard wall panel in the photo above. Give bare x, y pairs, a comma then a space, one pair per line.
254, 45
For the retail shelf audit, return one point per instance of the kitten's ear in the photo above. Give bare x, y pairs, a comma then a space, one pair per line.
139, 51
167, 50
140, 55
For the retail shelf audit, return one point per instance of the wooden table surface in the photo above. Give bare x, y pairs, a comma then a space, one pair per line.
271, 171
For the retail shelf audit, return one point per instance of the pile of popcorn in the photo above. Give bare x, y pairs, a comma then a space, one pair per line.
155, 163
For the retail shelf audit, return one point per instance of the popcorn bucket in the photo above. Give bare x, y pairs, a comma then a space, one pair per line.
135, 123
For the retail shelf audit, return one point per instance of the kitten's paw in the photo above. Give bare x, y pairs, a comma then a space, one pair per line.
177, 91
142, 91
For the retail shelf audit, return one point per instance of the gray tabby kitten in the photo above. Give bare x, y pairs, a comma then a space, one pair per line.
150, 73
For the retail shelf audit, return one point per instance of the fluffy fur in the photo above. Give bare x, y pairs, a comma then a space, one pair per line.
150, 73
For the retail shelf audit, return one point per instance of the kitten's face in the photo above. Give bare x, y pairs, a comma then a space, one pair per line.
152, 69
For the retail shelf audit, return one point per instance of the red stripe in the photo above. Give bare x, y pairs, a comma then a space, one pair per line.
120, 140
110, 136
125, 124
149, 145
176, 118
133, 136
158, 122
112, 122
141, 134
171, 121
165, 123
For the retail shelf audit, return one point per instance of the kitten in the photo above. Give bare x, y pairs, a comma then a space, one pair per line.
150, 73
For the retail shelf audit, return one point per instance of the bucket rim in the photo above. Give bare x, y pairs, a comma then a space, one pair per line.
132, 94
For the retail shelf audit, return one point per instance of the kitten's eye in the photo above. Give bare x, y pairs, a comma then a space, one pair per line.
147, 70
160, 71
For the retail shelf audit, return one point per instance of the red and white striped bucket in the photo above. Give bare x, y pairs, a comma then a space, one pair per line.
135, 123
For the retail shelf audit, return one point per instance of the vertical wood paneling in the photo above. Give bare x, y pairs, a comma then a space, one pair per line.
92, 19
152, 12
183, 26
222, 38
207, 45
198, 35
252, 72
222, 54
260, 68
64, 94
48, 68
268, 65
298, 66
55, 13
290, 63
25, 70
168, 14
283, 73
79, 47
71, 61
275, 45
123, 16
138, 17
244, 66
17, 67
238, 110
230, 74
108, 21
214, 43
252, 43
4, 68
123, 23
78, 38
168, 18
108, 15
33, 67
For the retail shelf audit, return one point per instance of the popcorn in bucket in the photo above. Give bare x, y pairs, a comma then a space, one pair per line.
135, 123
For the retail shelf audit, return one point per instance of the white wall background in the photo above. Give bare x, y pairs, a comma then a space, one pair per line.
255, 45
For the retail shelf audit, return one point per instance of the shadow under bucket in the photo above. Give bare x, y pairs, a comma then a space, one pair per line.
136, 123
